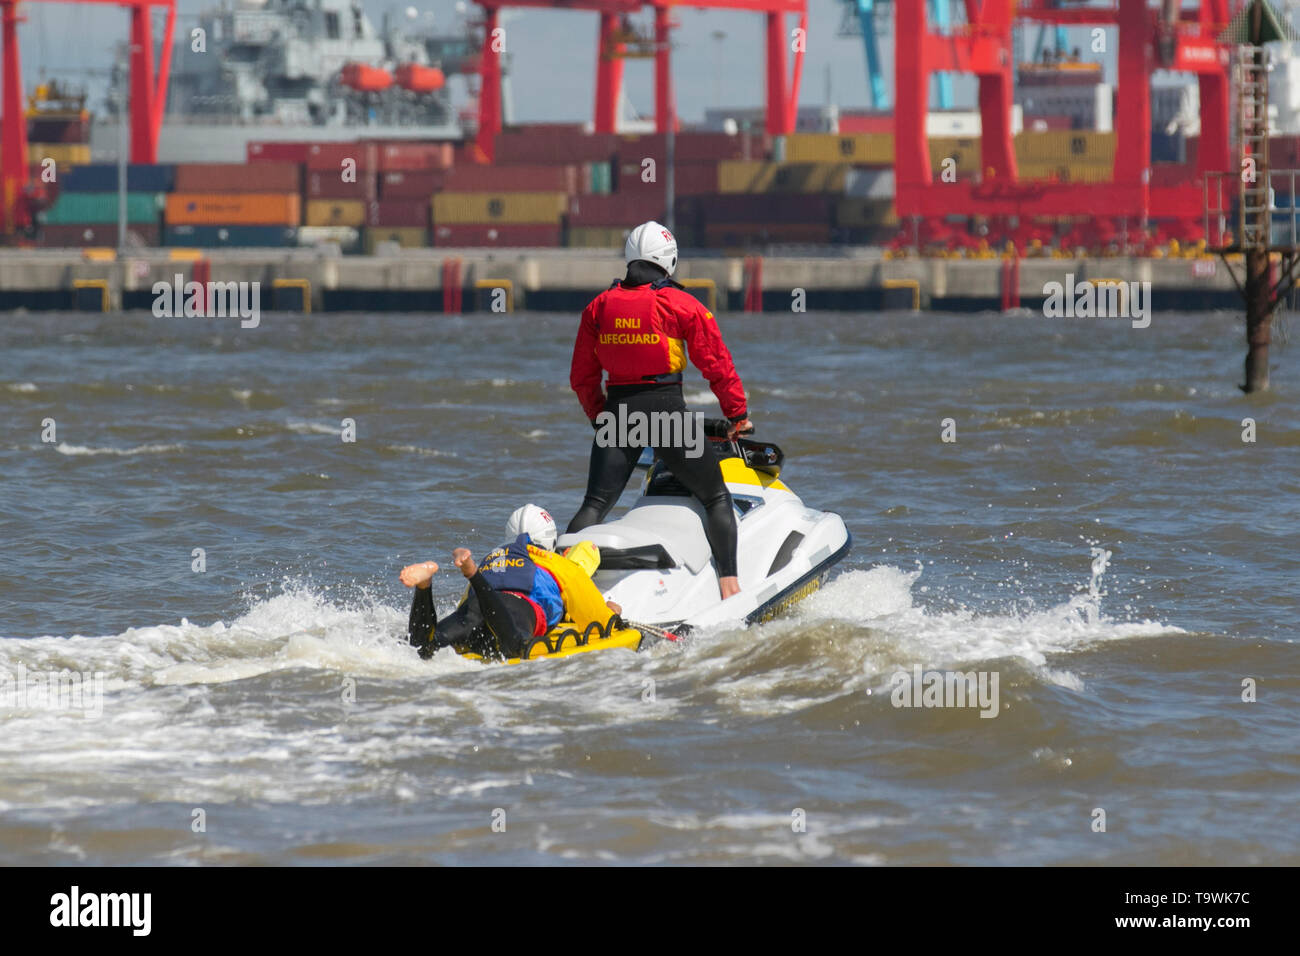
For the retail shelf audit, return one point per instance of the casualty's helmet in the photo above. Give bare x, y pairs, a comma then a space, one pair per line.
534, 522
652, 242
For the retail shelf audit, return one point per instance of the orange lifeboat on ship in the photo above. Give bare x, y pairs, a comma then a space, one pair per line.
365, 79
419, 79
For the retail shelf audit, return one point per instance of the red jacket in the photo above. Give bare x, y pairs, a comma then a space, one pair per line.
638, 333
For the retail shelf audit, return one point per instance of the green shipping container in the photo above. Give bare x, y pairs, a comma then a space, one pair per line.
76, 208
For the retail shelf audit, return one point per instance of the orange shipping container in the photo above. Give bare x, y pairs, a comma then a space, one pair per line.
233, 209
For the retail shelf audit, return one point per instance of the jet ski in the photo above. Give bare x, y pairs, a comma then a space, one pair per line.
656, 562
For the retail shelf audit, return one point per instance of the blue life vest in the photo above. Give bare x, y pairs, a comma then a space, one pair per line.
510, 568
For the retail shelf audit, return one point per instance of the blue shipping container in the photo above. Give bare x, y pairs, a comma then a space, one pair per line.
102, 178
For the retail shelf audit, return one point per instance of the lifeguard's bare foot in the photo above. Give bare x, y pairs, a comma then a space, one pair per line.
419, 575
465, 561
729, 586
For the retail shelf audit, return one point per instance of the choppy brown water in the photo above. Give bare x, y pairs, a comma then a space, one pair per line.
1120, 686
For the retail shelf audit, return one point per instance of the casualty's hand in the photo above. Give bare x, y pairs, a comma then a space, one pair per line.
739, 428
465, 561
418, 575
614, 607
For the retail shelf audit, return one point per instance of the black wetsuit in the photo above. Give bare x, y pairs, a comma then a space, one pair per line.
611, 467
488, 622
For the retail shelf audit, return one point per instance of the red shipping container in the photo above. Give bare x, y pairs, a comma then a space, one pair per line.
1047, 123
414, 156
330, 156
324, 184
615, 209
689, 179
262, 177
410, 185
690, 147
554, 147
851, 123
475, 234
1284, 152
97, 234
492, 179
282, 152
398, 213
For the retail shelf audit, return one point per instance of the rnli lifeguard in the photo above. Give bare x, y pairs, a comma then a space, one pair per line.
520, 591
638, 333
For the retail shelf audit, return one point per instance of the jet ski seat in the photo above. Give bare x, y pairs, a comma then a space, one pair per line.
666, 534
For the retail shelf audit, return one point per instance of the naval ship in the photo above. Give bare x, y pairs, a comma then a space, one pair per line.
317, 70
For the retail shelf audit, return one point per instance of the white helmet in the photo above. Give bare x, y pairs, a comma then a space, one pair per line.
534, 522
654, 243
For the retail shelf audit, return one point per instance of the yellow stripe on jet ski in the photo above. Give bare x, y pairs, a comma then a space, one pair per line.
737, 472
628, 638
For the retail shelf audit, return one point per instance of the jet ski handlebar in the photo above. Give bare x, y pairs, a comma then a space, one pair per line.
717, 428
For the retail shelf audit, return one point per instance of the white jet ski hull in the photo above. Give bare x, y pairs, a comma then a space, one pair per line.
785, 552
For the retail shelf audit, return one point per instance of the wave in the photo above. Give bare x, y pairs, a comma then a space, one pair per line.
63, 448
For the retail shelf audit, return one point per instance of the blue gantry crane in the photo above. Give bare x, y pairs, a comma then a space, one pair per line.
868, 19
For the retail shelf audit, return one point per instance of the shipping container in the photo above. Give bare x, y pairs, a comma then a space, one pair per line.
325, 185
398, 213
332, 157
345, 238
410, 185
1064, 173
689, 179
856, 213
689, 147
553, 147
597, 178
414, 157
741, 176
102, 178
507, 208
1050, 122
1283, 152
267, 177
759, 234
624, 208
328, 184
504, 236
407, 237
864, 148
233, 209
1077, 147
855, 122
335, 212
77, 208
63, 154
521, 178
962, 150
284, 152
870, 183
211, 237
770, 208
597, 237
50, 130
81, 235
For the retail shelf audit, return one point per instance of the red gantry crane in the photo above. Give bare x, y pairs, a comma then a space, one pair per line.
148, 98
782, 94
1150, 38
